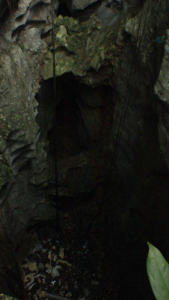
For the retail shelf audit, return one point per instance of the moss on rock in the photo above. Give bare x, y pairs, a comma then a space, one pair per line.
82, 46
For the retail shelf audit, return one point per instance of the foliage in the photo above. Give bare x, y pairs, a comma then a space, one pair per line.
158, 273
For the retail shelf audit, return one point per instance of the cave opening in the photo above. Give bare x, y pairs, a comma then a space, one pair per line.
78, 130
67, 116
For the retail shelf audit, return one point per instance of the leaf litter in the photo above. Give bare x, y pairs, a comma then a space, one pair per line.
63, 266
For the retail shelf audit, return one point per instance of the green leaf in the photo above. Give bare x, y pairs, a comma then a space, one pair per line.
158, 273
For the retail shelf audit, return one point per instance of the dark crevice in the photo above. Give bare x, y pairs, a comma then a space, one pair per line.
64, 11
17, 30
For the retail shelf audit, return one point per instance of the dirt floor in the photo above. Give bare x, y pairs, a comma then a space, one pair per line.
64, 264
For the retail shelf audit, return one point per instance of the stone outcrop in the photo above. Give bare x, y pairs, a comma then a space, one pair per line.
76, 4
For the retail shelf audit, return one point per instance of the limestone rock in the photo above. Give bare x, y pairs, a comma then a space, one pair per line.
80, 5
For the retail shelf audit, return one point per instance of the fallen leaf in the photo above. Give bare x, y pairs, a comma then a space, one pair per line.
49, 270
31, 286
48, 266
50, 255
61, 253
55, 272
29, 277
31, 266
58, 267
64, 262
54, 257
39, 293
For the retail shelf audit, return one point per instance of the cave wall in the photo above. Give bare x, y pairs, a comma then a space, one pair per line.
23, 166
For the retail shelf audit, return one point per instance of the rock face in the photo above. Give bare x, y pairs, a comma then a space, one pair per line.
161, 89
109, 122
77, 4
